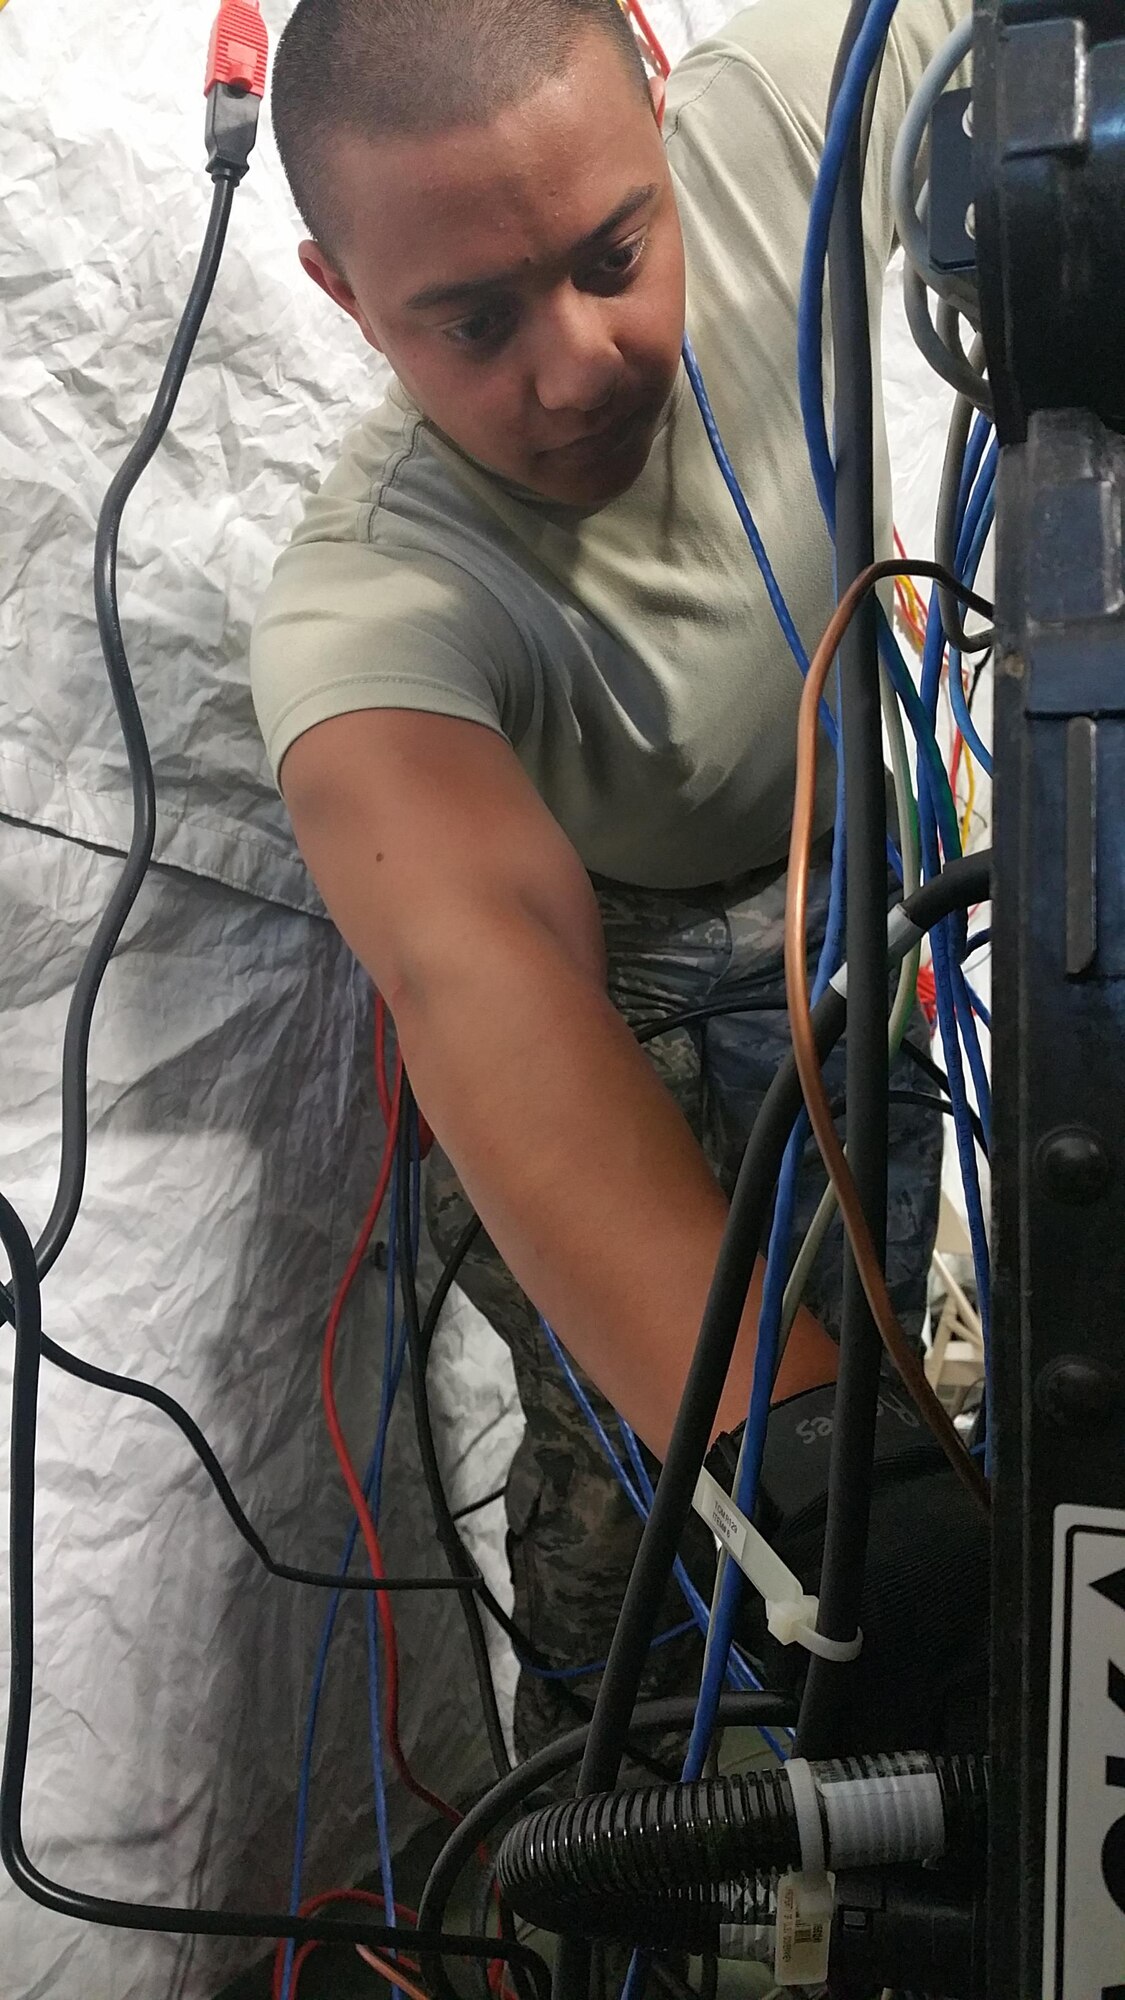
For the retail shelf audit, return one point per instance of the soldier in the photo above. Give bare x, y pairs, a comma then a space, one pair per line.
529, 706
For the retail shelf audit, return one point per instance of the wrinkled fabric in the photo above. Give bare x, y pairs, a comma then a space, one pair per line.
572, 1532
171, 1671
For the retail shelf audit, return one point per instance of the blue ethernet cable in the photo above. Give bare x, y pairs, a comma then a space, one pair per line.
975, 530
599, 1666
975, 520
750, 527
692, 1596
739, 1672
946, 968
810, 310
372, 1484
781, 609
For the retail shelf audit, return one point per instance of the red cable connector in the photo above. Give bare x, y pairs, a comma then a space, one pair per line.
236, 84
239, 48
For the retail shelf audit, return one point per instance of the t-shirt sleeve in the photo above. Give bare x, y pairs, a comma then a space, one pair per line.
345, 626
789, 48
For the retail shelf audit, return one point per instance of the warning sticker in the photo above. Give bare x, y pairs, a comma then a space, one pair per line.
1084, 1899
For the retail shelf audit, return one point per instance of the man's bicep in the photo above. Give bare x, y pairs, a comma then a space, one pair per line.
421, 832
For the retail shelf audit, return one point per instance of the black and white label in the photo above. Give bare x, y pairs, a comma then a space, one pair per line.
722, 1516
1084, 1899
804, 1928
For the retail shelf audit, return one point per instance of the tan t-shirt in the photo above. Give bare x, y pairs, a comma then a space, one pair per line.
630, 656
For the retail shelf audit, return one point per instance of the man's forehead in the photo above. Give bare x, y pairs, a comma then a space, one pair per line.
542, 178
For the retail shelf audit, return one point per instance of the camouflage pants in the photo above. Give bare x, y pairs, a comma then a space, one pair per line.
572, 1534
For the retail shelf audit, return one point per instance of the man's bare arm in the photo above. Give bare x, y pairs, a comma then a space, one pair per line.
467, 904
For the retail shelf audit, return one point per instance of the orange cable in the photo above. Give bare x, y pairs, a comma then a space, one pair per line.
392, 1973
800, 1021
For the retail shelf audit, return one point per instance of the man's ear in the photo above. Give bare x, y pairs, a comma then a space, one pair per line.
658, 90
324, 273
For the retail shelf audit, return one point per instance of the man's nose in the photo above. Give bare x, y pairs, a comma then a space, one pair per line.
576, 363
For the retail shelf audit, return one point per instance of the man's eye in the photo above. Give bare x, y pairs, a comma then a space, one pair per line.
617, 264
482, 330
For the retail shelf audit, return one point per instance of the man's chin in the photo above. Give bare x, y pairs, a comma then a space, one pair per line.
597, 476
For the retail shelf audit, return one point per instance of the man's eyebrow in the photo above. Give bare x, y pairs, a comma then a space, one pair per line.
467, 288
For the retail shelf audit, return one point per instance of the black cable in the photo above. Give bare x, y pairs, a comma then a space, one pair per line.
21, 1305
936, 1074
979, 666
512, 1792
945, 536
673, 1981
27, 1311
823, 1719
445, 1284
960, 884
478, 1506
451, 1544
76, 1040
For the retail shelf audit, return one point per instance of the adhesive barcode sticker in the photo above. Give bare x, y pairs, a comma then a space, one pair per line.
804, 1929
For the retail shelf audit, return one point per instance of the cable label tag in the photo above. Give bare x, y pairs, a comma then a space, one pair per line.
726, 1522
804, 1929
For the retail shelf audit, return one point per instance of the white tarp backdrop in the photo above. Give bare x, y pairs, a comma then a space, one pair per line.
233, 1134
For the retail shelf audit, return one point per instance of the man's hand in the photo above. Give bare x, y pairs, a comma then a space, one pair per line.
469, 907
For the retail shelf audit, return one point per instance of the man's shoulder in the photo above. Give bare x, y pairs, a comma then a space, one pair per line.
777, 58
384, 453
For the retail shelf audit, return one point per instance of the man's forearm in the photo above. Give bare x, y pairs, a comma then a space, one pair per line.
586, 1175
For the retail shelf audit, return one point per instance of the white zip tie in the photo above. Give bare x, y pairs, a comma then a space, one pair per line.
791, 1611
806, 1809
902, 936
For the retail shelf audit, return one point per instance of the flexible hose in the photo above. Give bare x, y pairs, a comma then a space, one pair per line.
658, 1865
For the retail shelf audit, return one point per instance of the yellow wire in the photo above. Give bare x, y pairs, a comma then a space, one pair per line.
971, 793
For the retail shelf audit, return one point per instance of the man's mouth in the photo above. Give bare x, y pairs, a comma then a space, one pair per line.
608, 437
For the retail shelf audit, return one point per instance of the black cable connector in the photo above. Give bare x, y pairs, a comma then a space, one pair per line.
231, 129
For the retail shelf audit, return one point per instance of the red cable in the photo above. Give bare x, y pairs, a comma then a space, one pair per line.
955, 763
425, 1136
381, 1059
351, 1480
309, 1908
654, 48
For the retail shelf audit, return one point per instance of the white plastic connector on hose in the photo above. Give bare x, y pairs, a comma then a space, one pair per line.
902, 936
889, 1816
866, 1820
790, 1609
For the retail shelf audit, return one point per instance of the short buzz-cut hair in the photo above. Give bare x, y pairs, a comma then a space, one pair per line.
388, 68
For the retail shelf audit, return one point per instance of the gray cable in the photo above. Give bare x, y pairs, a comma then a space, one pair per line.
911, 138
953, 366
